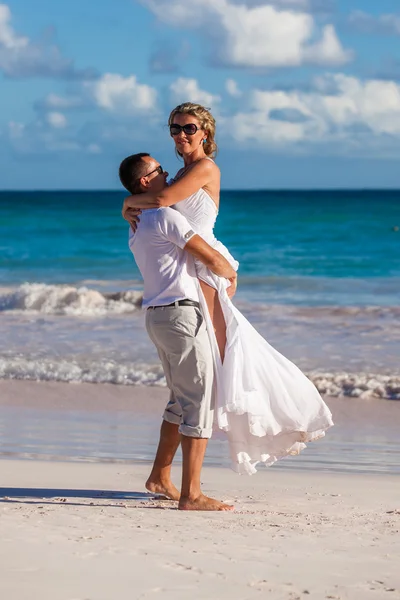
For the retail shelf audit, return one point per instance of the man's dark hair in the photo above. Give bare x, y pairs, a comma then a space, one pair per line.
131, 170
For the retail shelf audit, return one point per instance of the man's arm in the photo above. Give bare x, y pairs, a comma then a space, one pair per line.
211, 258
177, 230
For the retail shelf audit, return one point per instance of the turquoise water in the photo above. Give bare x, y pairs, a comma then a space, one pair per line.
319, 277
286, 242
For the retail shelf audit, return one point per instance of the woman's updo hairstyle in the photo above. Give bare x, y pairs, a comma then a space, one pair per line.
206, 120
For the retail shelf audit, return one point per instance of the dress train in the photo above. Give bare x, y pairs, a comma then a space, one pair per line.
266, 406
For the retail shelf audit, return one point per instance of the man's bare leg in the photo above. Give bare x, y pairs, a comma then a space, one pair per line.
159, 481
193, 451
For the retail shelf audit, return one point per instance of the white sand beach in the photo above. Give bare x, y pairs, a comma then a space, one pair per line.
87, 530
73, 531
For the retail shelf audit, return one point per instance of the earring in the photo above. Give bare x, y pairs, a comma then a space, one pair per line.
205, 140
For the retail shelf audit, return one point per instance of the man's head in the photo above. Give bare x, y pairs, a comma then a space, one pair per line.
140, 173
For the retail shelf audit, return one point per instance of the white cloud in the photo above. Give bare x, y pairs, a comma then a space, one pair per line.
54, 101
8, 38
315, 6
56, 120
187, 90
21, 57
386, 24
342, 109
285, 4
116, 93
338, 113
328, 50
254, 36
111, 92
116, 105
231, 87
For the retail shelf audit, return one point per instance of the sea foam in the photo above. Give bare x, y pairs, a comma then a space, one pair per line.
73, 371
356, 385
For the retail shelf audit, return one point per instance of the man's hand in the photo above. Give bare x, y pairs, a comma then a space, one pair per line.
210, 257
231, 290
132, 216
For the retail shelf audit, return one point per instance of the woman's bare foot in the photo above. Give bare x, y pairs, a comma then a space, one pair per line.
168, 489
203, 503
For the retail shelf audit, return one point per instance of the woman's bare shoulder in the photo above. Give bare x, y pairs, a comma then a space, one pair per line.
208, 163
204, 165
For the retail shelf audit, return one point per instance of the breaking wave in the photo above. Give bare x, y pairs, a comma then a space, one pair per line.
65, 299
68, 300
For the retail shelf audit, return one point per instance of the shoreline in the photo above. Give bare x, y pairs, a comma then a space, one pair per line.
91, 531
146, 398
340, 384
114, 423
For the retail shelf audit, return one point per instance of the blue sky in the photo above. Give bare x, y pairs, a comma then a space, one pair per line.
306, 93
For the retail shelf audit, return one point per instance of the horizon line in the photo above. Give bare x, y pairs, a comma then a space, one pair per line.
270, 189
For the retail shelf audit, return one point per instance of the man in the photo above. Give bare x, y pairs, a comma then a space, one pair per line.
164, 247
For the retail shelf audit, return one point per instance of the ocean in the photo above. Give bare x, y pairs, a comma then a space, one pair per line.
319, 278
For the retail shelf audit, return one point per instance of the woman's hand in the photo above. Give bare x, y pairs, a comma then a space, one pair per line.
129, 205
231, 290
139, 201
132, 216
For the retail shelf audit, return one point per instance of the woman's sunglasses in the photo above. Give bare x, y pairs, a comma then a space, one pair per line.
189, 129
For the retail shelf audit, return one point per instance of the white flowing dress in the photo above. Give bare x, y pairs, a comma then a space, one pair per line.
265, 405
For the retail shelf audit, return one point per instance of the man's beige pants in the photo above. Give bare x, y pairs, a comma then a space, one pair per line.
180, 336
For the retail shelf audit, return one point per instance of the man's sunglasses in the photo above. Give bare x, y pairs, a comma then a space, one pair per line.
189, 129
158, 170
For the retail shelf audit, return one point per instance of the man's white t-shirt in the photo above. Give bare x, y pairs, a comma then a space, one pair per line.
168, 271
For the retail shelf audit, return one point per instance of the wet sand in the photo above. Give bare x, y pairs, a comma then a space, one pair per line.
89, 422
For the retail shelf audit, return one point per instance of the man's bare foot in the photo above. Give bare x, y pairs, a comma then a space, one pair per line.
203, 503
168, 489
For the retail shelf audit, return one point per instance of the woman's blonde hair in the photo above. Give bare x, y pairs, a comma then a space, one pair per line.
206, 120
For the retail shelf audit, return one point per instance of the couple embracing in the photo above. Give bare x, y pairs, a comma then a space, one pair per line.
221, 373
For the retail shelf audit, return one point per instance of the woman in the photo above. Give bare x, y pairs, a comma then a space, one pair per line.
265, 404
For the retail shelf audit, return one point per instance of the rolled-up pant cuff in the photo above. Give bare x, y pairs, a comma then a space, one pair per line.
195, 432
172, 418
188, 430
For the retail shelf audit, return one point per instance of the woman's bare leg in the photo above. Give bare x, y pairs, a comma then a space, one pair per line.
216, 314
